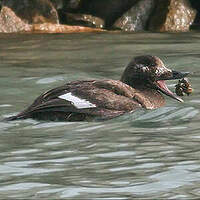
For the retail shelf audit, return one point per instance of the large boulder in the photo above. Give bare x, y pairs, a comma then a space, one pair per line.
172, 16
108, 10
84, 20
33, 11
60, 28
10, 23
136, 18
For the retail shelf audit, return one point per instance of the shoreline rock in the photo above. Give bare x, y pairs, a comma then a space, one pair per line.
97, 15
10, 23
60, 28
136, 18
107, 10
84, 20
172, 16
34, 11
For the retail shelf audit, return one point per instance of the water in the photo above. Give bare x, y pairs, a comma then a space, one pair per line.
147, 154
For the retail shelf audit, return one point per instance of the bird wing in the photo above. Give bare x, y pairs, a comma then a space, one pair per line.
96, 98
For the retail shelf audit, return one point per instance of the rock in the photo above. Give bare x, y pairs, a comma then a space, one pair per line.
108, 10
10, 23
59, 28
66, 6
136, 18
172, 16
84, 20
33, 11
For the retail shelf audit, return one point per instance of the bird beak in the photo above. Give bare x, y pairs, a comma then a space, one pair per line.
161, 85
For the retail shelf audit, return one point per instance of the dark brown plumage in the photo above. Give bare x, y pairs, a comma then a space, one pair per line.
141, 86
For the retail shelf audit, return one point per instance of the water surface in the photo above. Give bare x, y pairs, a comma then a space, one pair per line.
146, 154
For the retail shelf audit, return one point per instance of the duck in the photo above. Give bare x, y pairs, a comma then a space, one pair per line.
142, 85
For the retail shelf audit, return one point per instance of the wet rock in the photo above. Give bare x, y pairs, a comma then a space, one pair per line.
136, 18
108, 10
59, 28
172, 16
10, 23
66, 6
84, 20
33, 11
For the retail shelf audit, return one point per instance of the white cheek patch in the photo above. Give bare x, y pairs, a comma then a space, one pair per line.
78, 102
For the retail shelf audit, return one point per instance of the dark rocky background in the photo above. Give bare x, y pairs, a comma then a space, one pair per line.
99, 15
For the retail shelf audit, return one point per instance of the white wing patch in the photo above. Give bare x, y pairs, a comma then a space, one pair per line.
79, 103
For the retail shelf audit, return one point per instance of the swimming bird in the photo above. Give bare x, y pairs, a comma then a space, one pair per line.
142, 85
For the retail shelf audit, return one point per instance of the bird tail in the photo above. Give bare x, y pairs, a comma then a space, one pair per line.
15, 117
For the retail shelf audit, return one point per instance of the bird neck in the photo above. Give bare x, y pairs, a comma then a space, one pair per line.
150, 98
154, 98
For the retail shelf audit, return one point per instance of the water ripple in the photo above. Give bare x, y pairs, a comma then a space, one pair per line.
141, 155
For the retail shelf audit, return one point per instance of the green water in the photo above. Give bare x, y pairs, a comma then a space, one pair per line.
147, 154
